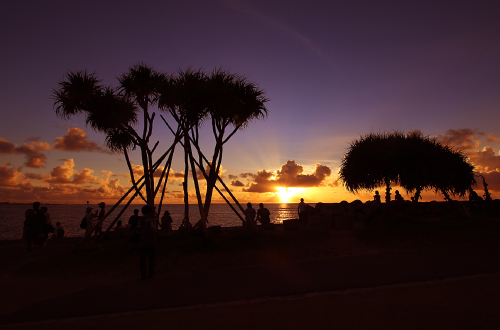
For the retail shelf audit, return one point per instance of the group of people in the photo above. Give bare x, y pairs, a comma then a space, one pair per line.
37, 226
397, 197
262, 215
92, 221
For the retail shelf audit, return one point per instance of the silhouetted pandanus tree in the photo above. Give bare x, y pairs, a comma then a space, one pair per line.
184, 96
228, 101
372, 161
114, 111
233, 103
413, 161
456, 175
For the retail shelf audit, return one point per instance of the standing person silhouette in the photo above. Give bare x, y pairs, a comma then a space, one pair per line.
89, 218
102, 212
376, 197
166, 223
35, 219
133, 221
301, 209
148, 225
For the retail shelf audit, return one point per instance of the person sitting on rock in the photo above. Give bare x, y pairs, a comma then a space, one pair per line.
263, 215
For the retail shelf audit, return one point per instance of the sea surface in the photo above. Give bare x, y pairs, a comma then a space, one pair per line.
70, 215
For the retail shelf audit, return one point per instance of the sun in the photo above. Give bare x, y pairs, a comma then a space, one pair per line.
287, 193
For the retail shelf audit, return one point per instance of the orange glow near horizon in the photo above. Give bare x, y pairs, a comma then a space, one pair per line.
287, 193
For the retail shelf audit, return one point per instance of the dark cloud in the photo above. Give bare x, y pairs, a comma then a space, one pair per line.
34, 158
33, 176
247, 175
290, 175
462, 139
492, 179
76, 140
237, 183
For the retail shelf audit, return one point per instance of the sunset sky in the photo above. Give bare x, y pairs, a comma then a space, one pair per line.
333, 70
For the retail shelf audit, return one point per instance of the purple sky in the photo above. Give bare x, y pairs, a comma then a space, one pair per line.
333, 70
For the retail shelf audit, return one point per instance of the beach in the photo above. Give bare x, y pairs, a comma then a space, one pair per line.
421, 276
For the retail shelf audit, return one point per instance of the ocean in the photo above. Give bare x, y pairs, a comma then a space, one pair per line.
70, 215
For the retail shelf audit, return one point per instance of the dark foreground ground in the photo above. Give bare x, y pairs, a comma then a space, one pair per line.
437, 278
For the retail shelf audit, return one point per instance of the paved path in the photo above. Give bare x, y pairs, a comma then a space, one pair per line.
253, 282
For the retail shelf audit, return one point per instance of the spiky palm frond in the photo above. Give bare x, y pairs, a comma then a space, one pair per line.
234, 100
76, 93
111, 111
141, 83
185, 95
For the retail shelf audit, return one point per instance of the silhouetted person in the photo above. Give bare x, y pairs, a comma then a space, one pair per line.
397, 197
58, 231
166, 223
133, 221
263, 215
89, 218
250, 214
47, 226
148, 225
102, 212
301, 209
119, 225
35, 219
376, 197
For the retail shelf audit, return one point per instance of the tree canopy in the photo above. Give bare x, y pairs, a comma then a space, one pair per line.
191, 97
413, 161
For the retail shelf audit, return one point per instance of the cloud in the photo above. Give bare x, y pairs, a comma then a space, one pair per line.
76, 140
10, 177
138, 171
111, 187
85, 176
237, 183
485, 160
492, 138
34, 158
290, 175
492, 179
65, 174
334, 183
463, 139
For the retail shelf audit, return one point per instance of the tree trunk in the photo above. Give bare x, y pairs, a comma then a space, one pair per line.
446, 195
212, 176
185, 186
388, 191
417, 195
203, 224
